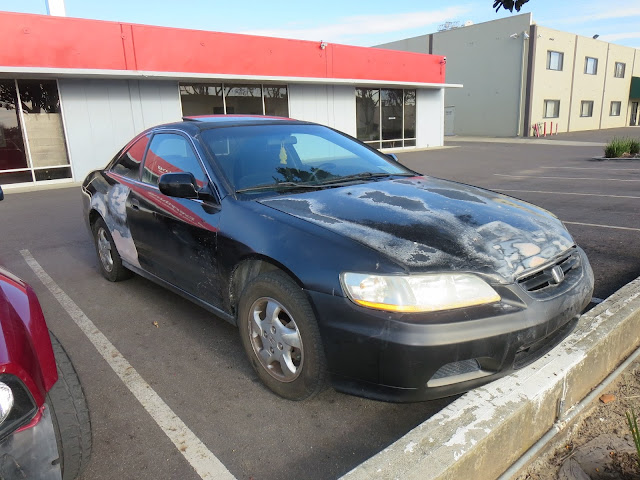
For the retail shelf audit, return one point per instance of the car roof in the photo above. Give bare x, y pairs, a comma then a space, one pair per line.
195, 123
213, 121
226, 119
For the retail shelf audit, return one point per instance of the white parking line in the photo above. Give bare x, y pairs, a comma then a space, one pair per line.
598, 168
205, 463
570, 178
566, 193
602, 226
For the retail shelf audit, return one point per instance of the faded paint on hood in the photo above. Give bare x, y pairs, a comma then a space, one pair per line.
427, 224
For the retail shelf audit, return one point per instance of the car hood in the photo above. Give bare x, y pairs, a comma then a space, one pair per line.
428, 224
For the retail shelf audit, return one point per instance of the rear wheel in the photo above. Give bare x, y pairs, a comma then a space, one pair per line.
108, 256
70, 416
280, 335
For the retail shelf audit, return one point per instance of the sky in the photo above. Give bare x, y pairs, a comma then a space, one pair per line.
351, 22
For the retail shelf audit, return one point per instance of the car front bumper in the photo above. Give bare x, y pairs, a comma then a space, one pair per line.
31, 451
415, 357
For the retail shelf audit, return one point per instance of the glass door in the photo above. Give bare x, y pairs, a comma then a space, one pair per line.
391, 117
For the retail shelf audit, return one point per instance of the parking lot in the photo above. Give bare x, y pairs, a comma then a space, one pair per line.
193, 363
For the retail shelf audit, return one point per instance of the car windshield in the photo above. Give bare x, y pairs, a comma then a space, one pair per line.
267, 157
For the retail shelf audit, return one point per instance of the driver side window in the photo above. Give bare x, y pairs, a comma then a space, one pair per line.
168, 153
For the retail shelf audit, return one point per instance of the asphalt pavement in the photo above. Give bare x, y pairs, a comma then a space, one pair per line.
195, 363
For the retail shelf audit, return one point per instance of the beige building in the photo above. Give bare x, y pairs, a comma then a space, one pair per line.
518, 74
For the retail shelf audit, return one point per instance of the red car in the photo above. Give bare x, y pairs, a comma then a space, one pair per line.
45, 430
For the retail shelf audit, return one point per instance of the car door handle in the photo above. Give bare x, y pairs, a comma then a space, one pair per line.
135, 204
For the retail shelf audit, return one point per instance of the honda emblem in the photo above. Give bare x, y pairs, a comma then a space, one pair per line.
557, 275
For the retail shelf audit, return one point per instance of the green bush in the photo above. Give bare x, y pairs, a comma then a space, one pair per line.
619, 146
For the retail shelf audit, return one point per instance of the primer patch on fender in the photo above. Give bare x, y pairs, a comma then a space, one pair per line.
113, 209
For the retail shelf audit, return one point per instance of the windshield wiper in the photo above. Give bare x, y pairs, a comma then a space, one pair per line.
272, 186
363, 176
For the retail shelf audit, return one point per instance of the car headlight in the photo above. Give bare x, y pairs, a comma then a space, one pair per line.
417, 293
17, 406
6, 401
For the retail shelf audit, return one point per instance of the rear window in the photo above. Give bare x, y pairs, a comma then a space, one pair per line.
128, 165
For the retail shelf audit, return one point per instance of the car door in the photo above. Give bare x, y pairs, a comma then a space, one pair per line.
175, 237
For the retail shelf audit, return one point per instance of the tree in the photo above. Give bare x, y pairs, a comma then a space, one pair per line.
509, 4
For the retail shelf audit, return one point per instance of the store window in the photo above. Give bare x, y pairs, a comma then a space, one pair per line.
554, 60
586, 108
276, 100
551, 108
590, 66
201, 99
239, 99
409, 118
615, 109
368, 114
620, 68
243, 99
386, 118
32, 141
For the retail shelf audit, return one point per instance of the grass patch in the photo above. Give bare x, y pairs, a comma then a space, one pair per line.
621, 146
632, 420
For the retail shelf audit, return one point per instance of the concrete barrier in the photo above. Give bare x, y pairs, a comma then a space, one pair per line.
481, 434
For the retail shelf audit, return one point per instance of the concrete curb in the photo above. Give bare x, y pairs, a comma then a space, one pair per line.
10, 189
481, 434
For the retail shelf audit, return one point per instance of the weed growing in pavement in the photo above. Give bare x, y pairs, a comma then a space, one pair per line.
621, 146
632, 419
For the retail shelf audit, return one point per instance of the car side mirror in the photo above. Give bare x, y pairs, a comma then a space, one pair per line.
178, 184
393, 157
1, 194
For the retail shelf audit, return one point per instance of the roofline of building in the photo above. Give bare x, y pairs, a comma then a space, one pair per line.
42, 42
39, 72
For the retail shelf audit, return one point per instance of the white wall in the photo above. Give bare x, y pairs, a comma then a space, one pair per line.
331, 105
429, 117
101, 116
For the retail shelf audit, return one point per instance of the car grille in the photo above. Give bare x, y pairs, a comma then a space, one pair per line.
545, 279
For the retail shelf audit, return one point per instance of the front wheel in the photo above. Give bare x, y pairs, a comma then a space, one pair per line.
70, 416
280, 335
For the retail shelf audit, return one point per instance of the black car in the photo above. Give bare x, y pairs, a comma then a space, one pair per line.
334, 260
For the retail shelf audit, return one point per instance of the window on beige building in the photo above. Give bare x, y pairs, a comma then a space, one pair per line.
554, 60
551, 108
620, 68
615, 109
590, 66
586, 108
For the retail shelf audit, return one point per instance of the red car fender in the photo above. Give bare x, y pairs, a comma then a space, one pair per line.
25, 346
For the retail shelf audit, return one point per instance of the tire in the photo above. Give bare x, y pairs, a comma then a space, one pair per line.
291, 360
70, 416
108, 256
